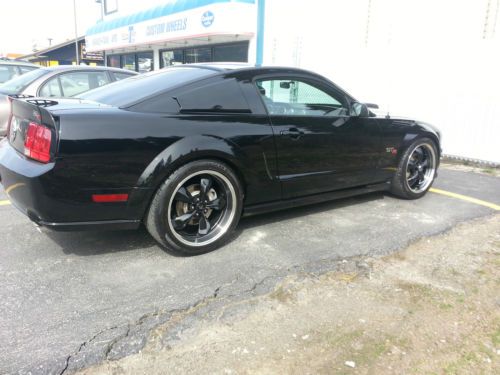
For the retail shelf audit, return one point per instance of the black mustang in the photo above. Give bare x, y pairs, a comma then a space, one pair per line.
188, 149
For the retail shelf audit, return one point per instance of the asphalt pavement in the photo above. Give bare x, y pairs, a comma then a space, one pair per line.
69, 300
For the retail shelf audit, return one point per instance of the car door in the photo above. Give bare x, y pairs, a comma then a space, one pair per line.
320, 146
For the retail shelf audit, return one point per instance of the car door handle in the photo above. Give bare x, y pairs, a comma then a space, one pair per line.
292, 132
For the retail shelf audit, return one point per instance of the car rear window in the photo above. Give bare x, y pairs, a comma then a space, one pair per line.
18, 84
132, 90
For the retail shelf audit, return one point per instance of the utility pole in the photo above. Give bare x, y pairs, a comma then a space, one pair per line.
76, 35
261, 15
50, 41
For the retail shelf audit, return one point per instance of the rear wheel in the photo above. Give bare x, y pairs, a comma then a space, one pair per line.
417, 170
196, 208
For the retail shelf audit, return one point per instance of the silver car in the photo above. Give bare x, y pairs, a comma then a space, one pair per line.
11, 69
56, 82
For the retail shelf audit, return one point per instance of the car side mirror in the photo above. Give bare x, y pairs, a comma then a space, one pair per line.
360, 110
285, 85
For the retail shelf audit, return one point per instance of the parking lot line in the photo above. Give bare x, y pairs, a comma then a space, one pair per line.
466, 198
4, 203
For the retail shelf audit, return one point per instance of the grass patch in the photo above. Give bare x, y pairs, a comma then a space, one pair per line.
495, 337
465, 360
282, 295
454, 272
445, 306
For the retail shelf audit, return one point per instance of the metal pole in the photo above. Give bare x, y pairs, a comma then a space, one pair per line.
261, 13
76, 35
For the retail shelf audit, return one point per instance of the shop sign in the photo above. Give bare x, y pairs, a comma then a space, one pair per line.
94, 55
223, 18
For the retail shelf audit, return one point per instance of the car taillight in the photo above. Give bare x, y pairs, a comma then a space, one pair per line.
37, 142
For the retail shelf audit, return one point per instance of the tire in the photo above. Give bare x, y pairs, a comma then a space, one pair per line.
414, 176
196, 208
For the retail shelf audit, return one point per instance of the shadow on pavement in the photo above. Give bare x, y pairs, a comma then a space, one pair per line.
292, 213
101, 242
105, 242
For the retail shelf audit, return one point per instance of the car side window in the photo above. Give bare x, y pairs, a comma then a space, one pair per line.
221, 96
291, 97
7, 72
75, 83
51, 88
26, 69
120, 76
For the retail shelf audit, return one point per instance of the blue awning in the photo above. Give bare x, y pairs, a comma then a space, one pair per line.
158, 11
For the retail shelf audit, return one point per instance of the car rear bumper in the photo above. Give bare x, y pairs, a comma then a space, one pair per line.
33, 190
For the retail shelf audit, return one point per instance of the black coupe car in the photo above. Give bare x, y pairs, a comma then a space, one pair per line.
186, 150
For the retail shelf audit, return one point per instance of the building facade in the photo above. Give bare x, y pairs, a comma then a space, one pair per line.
437, 61
173, 32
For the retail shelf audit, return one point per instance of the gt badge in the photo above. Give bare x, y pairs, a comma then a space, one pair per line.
392, 150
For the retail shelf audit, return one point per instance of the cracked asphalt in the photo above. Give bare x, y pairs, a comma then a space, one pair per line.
70, 300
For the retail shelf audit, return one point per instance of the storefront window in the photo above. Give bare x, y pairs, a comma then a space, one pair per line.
231, 52
234, 52
145, 62
141, 62
198, 55
170, 58
114, 61
129, 62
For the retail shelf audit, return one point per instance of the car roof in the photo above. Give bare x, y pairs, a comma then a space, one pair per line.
17, 62
60, 68
237, 67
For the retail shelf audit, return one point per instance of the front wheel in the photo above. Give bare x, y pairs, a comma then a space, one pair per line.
196, 208
416, 170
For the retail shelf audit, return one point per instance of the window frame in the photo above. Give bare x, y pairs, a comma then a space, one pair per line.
105, 7
312, 81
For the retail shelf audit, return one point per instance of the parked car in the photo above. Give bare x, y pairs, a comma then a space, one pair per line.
58, 81
187, 149
12, 68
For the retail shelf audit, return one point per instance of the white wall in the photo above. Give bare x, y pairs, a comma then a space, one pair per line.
126, 7
434, 60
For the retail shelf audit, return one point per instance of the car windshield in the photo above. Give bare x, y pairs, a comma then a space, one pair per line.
17, 85
131, 90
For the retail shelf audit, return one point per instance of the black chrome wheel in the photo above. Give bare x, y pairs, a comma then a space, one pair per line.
421, 168
416, 169
202, 208
196, 208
